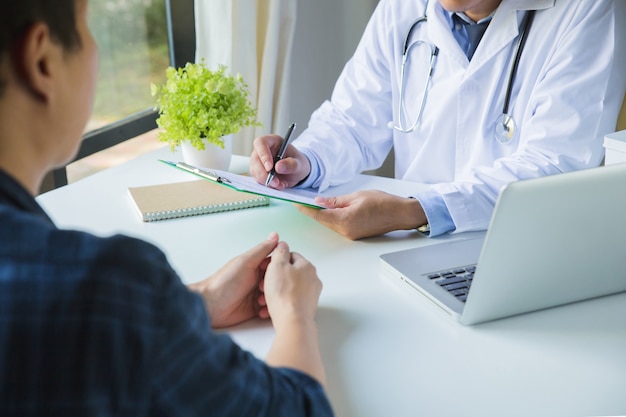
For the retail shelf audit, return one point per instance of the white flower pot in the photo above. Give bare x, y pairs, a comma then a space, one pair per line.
212, 156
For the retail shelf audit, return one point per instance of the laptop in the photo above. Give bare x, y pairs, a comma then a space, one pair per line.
551, 241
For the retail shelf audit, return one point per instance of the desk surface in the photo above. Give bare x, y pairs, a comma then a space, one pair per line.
387, 352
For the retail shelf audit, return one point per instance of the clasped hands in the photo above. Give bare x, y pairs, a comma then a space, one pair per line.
266, 281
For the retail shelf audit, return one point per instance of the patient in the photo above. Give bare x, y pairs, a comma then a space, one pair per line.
104, 326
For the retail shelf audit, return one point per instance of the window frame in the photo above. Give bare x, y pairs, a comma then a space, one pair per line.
182, 45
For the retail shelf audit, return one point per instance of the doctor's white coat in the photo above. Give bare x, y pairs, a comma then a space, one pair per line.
565, 98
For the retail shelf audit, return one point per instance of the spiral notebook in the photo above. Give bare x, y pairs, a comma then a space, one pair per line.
189, 198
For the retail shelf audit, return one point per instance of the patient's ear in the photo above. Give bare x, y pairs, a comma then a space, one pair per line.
36, 58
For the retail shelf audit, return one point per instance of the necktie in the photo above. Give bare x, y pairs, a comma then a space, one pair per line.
475, 33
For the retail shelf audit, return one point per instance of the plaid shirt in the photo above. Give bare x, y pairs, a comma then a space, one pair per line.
94, 326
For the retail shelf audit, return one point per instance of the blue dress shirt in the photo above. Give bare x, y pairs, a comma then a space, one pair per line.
93, 326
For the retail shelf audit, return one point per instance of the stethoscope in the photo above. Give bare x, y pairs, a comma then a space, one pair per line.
505, 126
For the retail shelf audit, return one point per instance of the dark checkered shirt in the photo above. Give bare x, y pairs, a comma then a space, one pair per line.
93, 326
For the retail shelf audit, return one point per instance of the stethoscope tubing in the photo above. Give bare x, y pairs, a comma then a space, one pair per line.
508, 124
405, 47
528, 18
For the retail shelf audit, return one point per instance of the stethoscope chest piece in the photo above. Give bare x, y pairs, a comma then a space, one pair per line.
505, 128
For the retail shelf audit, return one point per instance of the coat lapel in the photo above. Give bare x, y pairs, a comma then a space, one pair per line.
506, 22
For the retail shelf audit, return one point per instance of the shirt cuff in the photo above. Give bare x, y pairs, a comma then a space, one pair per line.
437, 212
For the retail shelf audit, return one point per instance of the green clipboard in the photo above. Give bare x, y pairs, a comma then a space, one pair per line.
247, 184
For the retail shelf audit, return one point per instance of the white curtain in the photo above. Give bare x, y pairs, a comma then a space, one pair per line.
253, 38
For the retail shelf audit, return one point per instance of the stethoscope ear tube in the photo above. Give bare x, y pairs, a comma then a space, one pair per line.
405, 53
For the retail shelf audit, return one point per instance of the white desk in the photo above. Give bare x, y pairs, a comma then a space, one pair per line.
387, 352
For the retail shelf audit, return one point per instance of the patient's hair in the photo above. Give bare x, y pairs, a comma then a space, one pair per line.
17, 16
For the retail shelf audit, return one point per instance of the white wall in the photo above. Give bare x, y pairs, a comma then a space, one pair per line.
327, 32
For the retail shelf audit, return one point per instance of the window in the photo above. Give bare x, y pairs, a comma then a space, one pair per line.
137, 40
132, 39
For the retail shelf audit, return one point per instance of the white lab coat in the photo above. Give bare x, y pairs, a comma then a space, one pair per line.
566, 97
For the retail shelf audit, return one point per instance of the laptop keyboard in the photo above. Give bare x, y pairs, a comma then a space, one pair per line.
456, 281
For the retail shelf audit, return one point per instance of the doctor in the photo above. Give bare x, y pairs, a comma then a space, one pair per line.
531, 94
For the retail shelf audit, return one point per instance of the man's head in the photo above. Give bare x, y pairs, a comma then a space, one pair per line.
48, 66
18, 16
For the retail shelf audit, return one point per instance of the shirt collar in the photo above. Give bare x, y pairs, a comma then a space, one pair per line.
463, 16
13, 194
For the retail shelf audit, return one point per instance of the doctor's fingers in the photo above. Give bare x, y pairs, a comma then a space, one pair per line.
265, 149
342, 220
257, 170
293, 168
260, 154
357, 215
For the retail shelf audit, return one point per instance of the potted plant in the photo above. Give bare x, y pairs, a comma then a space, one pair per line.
199, 109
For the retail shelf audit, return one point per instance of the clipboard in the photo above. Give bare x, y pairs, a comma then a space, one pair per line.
247, 184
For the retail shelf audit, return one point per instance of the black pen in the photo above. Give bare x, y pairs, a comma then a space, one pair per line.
281, 153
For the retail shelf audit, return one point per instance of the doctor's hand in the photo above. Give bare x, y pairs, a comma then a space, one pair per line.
367, 213
233, 294
293, 168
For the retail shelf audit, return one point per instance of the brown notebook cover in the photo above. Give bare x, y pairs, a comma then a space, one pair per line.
189, 198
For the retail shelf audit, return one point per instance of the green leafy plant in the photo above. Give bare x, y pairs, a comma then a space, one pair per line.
198, 105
